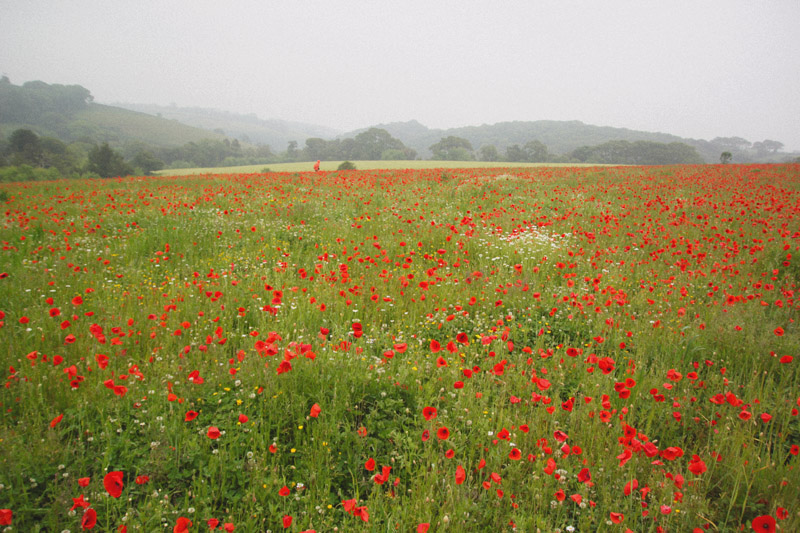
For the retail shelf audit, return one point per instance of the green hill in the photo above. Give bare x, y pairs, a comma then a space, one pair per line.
68, 113
247, 128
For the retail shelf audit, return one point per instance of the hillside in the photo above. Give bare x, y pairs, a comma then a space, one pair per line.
69, 113
247, 128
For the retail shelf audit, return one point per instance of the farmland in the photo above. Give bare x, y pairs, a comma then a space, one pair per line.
483, 349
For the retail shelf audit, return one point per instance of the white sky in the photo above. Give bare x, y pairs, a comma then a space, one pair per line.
693, 68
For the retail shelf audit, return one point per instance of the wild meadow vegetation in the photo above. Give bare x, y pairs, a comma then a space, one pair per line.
532, 349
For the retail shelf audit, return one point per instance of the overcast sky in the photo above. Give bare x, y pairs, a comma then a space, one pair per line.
697, 69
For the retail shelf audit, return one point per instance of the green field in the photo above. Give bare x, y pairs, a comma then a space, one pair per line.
463, 350
307, 166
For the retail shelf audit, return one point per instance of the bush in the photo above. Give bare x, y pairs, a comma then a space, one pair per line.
346, 165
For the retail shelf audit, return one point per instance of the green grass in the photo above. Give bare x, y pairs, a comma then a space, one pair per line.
580, 314
328, 166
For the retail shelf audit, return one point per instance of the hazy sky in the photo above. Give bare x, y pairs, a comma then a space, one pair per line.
693, 68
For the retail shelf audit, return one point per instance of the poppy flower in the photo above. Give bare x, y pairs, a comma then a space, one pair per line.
429, 412
228, 527
84, 481
141, 480
370, 464
616, 517
54, 422
6, 516
182, 525
423, 528
243, 419
284, 491
113, 483
443, 433
315, 411
89, 519
764, 523
212, 523
461, 475
190, 415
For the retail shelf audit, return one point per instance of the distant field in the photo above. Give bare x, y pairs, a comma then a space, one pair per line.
361, 165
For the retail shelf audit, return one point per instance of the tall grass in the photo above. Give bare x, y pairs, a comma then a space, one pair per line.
607, 348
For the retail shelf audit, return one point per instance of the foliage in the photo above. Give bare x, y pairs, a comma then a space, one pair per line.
725, 157
551, 348
452, 148
106, 162
372, 144
638, 153
346, 165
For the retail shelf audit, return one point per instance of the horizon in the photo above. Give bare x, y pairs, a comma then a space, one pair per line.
682, 69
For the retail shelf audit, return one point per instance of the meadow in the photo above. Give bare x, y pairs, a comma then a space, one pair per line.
441, 349
330, 166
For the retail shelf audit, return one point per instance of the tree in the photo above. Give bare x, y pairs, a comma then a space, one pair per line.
372, 143
452, 148
514, 153
772, 146
25, 148
536, 152
725, 157
488, 152
106, 163
147, 162
291, 151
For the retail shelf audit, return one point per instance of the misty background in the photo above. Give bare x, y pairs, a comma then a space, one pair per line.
692, 69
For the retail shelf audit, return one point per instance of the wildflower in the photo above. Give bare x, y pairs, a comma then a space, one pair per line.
113, 483
89, 519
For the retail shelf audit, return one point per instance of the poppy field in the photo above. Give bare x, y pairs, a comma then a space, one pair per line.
534, 349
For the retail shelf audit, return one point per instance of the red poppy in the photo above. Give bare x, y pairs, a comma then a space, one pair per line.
616, 517
54, 422
370, 464
461, 475
84, 481
6, 516
315, 410
429, 412
190, 415
243, 419
182, 525
89, 519
113, 483
284, 491
287, 521
443, 433
214, 433
141, 480
764, 523
423, 528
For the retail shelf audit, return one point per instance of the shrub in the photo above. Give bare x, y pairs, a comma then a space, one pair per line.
346, 165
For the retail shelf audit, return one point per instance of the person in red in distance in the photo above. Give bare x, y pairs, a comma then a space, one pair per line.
316, 166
